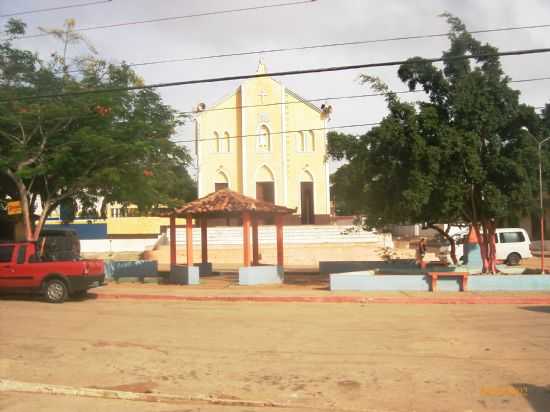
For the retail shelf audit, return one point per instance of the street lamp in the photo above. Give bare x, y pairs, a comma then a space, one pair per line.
539, 147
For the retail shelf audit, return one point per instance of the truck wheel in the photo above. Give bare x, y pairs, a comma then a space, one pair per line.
513, 259
56, 291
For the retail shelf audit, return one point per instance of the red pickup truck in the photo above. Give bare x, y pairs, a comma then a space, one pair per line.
21, 268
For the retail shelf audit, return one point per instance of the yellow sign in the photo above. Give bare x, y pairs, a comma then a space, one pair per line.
14, 208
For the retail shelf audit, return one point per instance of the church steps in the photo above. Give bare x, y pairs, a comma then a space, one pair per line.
292, 235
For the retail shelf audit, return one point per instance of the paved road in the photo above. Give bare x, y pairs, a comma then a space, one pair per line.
309, 356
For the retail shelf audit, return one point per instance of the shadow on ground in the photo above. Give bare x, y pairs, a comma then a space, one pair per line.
541, 309
537, 396
38, 298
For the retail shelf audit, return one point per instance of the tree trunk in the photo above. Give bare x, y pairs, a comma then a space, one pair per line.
487, 246
449, 239
46, 209
491, 246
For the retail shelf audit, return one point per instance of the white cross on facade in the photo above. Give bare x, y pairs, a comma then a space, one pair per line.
262, 95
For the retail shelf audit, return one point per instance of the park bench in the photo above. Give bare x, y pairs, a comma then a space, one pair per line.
139, 269
435, 275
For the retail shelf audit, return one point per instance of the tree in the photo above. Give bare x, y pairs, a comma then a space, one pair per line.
459, 157
102, 145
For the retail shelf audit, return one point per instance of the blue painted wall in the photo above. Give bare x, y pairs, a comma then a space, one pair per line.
366, 281
84, 231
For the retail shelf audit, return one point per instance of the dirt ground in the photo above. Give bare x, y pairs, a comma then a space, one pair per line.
310, 357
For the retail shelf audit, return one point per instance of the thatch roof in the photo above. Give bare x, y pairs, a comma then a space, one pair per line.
226, 202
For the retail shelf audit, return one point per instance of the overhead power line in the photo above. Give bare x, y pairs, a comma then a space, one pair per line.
324, 45
532, 79
279, 74
319, 99
172, 18
330, 98
345, 126
68, 6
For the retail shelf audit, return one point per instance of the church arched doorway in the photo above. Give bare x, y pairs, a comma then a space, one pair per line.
265, 189
307, 199
265, 185
222, 181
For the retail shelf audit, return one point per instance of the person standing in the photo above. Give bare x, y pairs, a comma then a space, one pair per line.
420, 253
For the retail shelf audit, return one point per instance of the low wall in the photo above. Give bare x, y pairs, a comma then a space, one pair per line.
116, 245
509, 283
295, 256
367, 281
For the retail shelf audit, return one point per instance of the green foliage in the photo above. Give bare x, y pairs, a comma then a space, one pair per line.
460, 156
114, 146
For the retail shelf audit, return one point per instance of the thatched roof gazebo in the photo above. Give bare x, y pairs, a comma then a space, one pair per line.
227, 203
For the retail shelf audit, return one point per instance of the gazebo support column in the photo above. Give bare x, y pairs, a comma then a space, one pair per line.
255, 244
280, 254
182, 274
205, 268
256, 274
204, 239
246, 239
173, 258
189, 239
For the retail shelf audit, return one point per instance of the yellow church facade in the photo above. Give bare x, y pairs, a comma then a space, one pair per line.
265, 141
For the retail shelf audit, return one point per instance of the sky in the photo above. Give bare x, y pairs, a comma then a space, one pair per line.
315, 22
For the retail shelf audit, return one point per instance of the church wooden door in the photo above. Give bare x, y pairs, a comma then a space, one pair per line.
220, 186
306, 198
265, 191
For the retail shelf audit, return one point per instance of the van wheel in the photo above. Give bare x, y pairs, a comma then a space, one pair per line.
55, 291
513, 259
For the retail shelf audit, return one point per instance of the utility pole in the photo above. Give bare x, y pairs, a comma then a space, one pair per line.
541, 206
541, 210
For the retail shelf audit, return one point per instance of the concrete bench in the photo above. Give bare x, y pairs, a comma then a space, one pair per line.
435, 275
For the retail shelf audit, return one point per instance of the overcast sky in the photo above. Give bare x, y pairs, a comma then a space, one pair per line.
320, 21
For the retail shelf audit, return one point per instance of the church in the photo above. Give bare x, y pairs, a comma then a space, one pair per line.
265, 141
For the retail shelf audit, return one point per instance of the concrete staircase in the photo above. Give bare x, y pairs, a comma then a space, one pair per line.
306, 234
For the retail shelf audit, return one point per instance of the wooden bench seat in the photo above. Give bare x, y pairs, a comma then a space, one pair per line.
435, 275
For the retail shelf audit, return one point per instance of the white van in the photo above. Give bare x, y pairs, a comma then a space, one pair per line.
512, 245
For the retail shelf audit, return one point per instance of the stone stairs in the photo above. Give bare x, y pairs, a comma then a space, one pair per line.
304, 234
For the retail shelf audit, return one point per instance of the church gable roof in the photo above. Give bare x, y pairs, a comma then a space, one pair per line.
262, 71
219, 102
301, 99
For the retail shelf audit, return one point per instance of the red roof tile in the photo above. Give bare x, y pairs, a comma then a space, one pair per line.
226, 201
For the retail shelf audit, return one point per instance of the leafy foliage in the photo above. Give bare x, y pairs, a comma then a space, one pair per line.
459, 157
114, 146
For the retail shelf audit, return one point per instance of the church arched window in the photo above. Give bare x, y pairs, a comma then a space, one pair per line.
310, 140
263, 139
218, 142
226, 142
300, 142
305, 141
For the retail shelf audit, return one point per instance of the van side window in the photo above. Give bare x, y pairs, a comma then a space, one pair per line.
5, 253
21, 255
512, 237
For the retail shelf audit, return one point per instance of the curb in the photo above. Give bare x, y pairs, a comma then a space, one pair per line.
469, 300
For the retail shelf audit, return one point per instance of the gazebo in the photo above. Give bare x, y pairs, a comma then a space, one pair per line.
226, 203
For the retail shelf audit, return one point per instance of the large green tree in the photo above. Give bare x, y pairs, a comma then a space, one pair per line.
461, 156
110, 146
